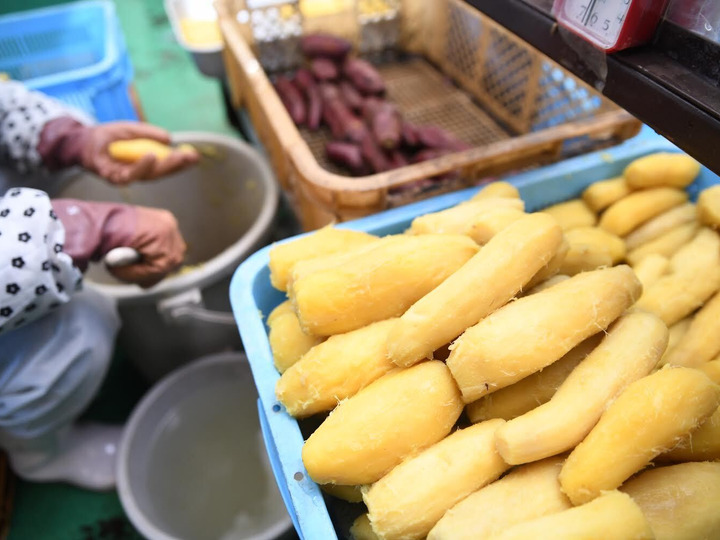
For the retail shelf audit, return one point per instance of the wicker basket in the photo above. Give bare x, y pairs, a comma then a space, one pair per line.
444, 63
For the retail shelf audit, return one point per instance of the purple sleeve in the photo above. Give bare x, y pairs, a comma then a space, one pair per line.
24, 116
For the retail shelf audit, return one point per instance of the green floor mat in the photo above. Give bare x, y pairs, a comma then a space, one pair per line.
61, 512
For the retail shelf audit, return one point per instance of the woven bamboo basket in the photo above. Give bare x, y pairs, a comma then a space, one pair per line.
444, 63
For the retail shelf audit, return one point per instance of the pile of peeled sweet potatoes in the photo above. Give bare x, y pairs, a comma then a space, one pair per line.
347, 95
580, 342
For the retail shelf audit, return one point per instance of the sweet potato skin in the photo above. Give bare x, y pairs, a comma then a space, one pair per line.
364, 76
324, 69
346, 154
306, 82
324, 46
292, 99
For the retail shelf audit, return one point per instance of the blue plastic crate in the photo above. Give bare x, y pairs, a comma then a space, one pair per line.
252, 298
74, 52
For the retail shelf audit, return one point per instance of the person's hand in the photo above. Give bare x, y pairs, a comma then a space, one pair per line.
92, 229
65, 142
161, 246
95, 156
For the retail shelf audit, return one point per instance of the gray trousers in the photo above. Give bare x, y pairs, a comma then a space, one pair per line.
52, 368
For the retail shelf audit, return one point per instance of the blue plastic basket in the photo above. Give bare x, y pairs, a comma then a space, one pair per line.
74, 52
252, 298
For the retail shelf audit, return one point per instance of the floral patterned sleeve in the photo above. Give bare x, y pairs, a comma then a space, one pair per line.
23, 115
36, 275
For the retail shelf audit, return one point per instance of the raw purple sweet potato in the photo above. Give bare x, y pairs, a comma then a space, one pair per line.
396, 159
324, 69
306, 82
343, 124
346, 154
386, 125
363, 75
373, 154
329, 91
430, 153
351, 96
436, 137
370, 106
292, 98
324, 46
409, 136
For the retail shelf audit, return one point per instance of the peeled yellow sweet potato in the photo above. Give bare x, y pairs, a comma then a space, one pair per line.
661, 169
711, 369
701, 342
335, 370
352, 494
525, 493
599, 240
679, 501
486, 282
557, 278
612, 516
675, 296
648, 418
572, 214
599, 195
551, 268
591, 248
651, 268
582, 257
627, 214
708, 206
410, 499
396, 416
491, 222
694, 277
703, 443
306, 267
676, 331
287, 340
132, 150
532, 391
659, 225
459, 219
497, 189
698, 254
361, 529
534, 331
666, 244
380, 283
630, 350
316, 244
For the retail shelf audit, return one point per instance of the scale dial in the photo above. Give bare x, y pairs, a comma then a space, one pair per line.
610, 25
